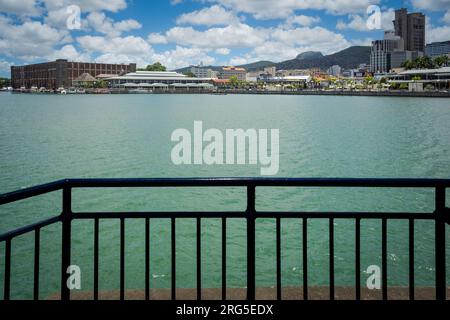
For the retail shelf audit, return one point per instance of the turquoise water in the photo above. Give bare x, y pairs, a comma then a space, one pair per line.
49, 137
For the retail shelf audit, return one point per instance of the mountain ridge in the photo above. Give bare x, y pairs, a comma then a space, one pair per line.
348, 58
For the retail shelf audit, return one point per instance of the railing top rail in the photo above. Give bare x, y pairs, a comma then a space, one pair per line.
221, 182
258, 181
31, 191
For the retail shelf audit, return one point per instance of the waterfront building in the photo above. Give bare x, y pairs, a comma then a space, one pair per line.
293, 72
436, 49
419, 79
272, 71
159, 79
411, 28
289, 80
252, 76
380, 54
334, 70
398, 57
405, 42
228, 72
203, 72
213, 74
62, 73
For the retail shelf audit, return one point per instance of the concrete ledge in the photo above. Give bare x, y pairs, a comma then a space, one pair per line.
288, 293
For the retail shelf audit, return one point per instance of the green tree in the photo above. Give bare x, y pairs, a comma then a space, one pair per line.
5, 82
101, 84
424, 62
189, 74
441, 61
234, 82
408, 64
154, 67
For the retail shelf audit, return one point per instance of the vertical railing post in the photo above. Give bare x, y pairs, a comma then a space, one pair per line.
66, 240
440, 243
250, 214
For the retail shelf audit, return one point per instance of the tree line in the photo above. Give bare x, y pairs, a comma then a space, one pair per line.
426, 62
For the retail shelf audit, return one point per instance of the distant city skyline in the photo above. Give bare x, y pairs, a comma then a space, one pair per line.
180, 33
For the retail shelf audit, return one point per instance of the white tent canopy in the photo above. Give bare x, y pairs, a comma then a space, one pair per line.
129, 84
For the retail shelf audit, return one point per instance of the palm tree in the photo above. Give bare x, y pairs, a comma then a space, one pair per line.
441, 61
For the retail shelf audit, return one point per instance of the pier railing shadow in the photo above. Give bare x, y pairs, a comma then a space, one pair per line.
440, 216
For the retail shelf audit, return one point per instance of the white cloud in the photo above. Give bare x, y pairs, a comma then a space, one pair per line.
436, 34
30, 40
302, 20
275, 44
118, 49
310, 39
362, 42
237, 61
210, 16
359, 22
356, 22
87, 5
119, 45
182, 56
70, 53
22, 7
58, 18
446, 17
270, 9
141, 61
271, 51
156, 38
5, 66
223, 51
101, 23
232, 36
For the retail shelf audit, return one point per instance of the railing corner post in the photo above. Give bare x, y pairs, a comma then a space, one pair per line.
440, 220
66, 217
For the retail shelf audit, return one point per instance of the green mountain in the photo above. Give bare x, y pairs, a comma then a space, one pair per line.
348, 58
259, 65
309, 55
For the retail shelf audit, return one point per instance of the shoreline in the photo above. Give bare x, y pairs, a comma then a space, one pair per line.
247, 92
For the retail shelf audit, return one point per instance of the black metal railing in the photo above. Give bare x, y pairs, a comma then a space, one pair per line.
440, 216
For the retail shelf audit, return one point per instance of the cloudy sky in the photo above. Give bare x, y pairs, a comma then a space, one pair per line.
182, 32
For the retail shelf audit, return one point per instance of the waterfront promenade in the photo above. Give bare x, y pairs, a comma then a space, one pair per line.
423, 94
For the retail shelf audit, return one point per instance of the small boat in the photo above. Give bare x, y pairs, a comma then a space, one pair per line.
71, 91
81, 91
61, 90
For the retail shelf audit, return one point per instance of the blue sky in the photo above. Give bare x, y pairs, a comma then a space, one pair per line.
178, 33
